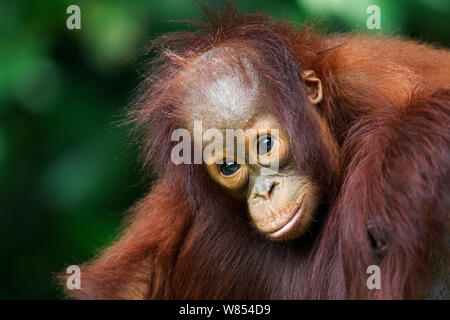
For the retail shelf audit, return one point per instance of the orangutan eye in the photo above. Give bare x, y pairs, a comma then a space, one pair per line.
265, 144
229, 168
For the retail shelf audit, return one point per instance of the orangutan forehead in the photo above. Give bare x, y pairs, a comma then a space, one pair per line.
220, 88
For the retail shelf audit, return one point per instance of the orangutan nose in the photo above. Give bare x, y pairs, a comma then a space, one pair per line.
264, 187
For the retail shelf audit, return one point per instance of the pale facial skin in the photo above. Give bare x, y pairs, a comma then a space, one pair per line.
281, 203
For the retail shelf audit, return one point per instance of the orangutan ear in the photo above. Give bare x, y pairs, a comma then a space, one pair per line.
313, 86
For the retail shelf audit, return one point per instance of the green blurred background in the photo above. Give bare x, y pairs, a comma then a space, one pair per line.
67, 170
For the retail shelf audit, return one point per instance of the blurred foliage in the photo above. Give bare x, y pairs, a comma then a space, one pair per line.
67, 171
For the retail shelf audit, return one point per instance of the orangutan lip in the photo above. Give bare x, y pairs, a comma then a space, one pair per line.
284, 230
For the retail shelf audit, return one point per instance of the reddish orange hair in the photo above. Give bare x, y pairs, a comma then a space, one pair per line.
387, 105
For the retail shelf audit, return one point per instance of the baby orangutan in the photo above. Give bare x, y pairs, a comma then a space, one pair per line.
316, 157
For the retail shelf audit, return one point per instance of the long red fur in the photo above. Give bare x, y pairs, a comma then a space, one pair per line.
387, 106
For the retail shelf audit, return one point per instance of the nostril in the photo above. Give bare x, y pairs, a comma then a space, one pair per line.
265, 195
272, 188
